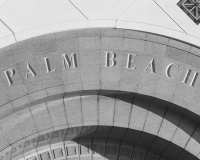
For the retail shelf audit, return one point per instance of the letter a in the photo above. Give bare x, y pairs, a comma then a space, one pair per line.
151, 66
30, 71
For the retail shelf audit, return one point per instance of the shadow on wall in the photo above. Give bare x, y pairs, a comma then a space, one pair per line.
114, 142
142, 142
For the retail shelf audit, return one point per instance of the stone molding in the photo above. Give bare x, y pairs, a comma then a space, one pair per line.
52, 100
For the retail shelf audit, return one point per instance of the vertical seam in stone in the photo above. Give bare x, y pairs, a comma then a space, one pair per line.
170, 141
197, 125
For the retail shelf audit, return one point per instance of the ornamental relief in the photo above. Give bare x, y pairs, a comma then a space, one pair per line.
191, 8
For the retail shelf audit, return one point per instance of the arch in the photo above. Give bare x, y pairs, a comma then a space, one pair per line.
43, 90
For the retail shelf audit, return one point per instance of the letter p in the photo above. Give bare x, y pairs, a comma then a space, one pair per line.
9, 73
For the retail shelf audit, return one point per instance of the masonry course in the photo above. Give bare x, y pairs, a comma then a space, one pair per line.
41, 91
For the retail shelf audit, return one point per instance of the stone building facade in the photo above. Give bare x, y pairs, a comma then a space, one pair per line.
95, 91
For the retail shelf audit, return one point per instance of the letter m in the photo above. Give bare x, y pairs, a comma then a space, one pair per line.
68, 62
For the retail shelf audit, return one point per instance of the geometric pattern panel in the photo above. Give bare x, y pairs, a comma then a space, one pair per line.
57, 150
58, 153
71, 150
191, 8
84, 149
98, 149
125, 152
111, 150
45, 156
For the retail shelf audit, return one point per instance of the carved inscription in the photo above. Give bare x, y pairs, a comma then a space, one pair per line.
70, 61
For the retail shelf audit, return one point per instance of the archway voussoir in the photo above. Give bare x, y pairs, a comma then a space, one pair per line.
184, 132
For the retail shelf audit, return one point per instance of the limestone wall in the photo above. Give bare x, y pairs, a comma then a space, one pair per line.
97, 77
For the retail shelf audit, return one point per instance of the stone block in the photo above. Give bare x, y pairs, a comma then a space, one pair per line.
90, 76
193, 60
174, 72
11, 130
158, 146
112, 32
172, 151
190, 71
3, 96
67, 44
183, 95
14, 86
169, 125
23, 50
84, 149
71, 76
41, 117
20, 103
66, 35
35, 85
149, 75
165, 89
184, 131
114, 43
30, 70
6, 110
44, 44
155, 48
73, 89
73, 110
6, 57
26, 122
176, 54
16, 90
157, 38
138, 154
194, 104
195, 50
90, 69
144, 141
138, 114
133, 44
57, 112
71, 150
53, 80
89, 109
55, 105
54, 64
122, 113
89, 42
111, 74
55, 93
38, 97
89, 33
4, 141
58, 153
179, 45
125, 153
135, 34
91, 59
15, 79
154, 118
106, 110
130, 76
193, 146
152, 157
111, 151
